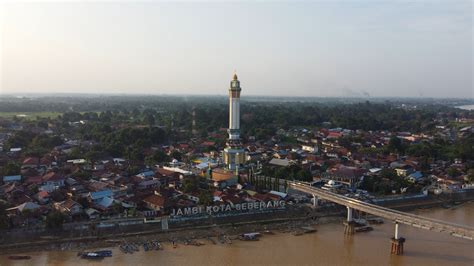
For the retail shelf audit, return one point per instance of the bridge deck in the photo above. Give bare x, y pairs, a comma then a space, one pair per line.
401, 217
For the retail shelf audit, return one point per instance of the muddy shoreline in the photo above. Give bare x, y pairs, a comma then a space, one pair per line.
178, 235
283, 225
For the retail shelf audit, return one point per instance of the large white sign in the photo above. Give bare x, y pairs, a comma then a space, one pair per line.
247, 206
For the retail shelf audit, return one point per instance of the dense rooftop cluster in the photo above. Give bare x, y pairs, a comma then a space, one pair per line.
82, 166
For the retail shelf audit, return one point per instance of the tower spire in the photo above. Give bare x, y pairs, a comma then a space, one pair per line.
234, 154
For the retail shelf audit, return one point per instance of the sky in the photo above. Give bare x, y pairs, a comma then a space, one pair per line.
359, 48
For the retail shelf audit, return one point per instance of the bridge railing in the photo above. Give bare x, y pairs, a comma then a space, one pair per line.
402, 217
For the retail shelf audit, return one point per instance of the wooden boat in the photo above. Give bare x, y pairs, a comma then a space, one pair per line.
364, 229
249, 236
19, 257
308, 229
96, 254
113, 241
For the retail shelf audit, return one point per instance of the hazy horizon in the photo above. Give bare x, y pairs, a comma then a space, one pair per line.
315, 49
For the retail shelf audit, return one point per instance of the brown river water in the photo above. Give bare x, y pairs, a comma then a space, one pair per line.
328, 246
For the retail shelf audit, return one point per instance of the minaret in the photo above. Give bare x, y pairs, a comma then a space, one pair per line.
234, 110
234, 154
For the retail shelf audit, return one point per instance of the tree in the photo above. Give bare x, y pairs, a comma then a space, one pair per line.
117, 207
470, 176
388, 173
84, 202
156, 157
282, 172
176, 155
453, 172
55, 220
396, 145
190, 185
205, 197
304, 175
21, 139
276, 184
11, 168
57, 195
149, 120
4, 221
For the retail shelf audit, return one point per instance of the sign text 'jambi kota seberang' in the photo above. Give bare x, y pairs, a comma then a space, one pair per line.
247, 206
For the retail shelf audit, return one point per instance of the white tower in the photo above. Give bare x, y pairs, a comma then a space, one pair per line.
234, 154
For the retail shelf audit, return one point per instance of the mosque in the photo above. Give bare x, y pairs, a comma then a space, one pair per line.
234, 153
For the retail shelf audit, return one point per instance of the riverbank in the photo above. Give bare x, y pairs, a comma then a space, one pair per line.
202, 229
328, 246
177, 234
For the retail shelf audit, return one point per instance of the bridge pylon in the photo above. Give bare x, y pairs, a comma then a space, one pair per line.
349, 224
315, 201
397, 242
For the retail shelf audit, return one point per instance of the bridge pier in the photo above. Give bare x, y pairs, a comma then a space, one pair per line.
349, 225
386, 213
397, 242
315, 201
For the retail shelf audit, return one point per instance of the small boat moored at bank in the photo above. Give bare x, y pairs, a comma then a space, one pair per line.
364, 229
249, 236
19, 257
95, 254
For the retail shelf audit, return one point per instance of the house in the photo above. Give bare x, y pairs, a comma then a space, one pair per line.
119, 161
30, 162
150, 183
105, 203
403, 170
35, 180
334, 135
30, 206
260, 197
280, 195
309, 148
69, 207
146, 174
92, 213
217, 195
96, 197
167, 177
415, 177
11, 178
42, 197
155, 202
280, 162
53, 179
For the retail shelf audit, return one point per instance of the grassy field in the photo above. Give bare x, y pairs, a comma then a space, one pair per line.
29, 115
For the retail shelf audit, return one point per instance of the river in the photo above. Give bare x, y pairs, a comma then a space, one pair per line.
466, 107
328, 246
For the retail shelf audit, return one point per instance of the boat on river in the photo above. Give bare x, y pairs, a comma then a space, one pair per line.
249, 236
363, 229
95, 254
19, 257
